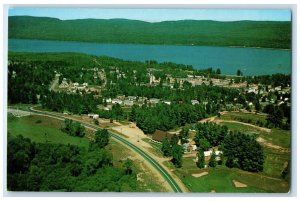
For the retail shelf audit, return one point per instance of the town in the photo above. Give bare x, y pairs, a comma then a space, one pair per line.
149, 100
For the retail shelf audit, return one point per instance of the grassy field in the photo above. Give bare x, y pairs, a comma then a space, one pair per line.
220, 179
242, 128
276, 136
42, 129
275, 162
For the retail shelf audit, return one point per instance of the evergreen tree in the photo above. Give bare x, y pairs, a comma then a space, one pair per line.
174, 140
128, 166
177, 153
184, 135
212, 160
201, 159
220, 162
166, 147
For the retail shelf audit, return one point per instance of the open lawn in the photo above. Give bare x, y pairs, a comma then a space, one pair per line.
220, 179
242, 128
276, 136
275, 162
42, 129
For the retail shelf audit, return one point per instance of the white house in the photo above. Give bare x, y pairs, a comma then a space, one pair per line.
94, 116
132, 98
167, 102
108, 100
154, 100
128, 102
116, 101
194, 102
207, 154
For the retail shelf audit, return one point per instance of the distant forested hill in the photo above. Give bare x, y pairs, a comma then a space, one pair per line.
268, 34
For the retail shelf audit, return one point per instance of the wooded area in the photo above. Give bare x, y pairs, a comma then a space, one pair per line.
68, 168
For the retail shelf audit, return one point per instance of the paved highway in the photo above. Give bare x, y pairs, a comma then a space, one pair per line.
155, 164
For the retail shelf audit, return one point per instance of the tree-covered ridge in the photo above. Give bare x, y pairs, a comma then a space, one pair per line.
268, 34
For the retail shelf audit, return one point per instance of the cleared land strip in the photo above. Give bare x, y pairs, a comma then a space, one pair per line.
246, 124
216, 120
175, 187
18, 112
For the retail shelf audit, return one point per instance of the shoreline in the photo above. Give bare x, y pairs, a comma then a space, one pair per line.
153, 44
78, 53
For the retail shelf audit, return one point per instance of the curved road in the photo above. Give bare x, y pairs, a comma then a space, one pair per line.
155, 164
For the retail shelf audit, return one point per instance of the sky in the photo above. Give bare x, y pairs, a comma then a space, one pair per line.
155, 15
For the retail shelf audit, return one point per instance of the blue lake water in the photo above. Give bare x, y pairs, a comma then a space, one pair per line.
251, 61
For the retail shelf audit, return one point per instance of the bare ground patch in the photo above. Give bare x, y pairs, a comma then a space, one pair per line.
200, 174
272, 146
238, 184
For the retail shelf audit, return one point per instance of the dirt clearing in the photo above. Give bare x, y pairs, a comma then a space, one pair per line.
238, 184
200, 174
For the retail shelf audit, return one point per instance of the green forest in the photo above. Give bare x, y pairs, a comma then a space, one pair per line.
268, 34
66, 168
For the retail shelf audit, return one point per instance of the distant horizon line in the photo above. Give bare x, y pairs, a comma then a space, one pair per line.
149, 21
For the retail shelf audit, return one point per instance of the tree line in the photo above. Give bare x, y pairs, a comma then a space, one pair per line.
164, 117
74, 103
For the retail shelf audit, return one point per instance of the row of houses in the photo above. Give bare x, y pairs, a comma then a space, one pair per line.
131, 100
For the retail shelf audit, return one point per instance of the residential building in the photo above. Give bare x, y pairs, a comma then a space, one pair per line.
116, 101
154, 100
128, 103
194, 102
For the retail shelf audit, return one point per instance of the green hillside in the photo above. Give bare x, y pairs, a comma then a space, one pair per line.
268, 34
